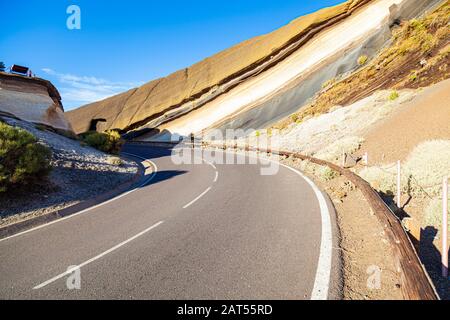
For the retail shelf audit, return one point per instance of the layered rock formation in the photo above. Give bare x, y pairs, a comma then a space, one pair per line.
32, 99
258, 81
200, 82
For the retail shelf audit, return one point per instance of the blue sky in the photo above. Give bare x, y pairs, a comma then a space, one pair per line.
122, 44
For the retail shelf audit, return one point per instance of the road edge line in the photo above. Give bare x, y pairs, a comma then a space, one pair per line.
323, 273
57, 213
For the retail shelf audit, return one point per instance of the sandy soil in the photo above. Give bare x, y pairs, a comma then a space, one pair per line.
364, 245
425, 118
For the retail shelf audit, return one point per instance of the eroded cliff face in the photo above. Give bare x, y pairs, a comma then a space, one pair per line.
162, 99
259, 81
32, 99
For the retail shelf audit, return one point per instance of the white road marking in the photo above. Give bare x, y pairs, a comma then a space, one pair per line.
195, 200
43, 284
323, 272
90, 208
215, 169
216, 177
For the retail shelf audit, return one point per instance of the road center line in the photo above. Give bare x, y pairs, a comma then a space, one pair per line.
43, 284
193, 201
217, 176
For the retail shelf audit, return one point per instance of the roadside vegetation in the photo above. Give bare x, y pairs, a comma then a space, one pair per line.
417, 57
422, 175
108, 141
394, 95
23, 160
362, 60
333, 152
422, 172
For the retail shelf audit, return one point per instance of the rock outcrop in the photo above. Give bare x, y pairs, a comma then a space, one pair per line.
207, 79
32, 99
259, 81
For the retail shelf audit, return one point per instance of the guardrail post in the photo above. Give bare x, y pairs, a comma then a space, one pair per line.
399, 191
192, 140
445, 228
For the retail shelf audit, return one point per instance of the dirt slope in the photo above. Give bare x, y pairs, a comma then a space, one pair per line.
425, 118
137, 106
418, 56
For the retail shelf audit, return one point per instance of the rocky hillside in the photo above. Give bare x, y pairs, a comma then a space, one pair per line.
209, 78
418, 56
32, 99
259, 81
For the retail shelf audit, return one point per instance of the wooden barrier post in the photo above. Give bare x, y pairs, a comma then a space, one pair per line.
343, 159
192, 140
366, 159
445, 228
399, 191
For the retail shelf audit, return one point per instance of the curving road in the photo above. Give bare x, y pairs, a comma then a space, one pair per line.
193, 231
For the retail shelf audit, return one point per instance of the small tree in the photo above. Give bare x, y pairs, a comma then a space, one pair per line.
2, 66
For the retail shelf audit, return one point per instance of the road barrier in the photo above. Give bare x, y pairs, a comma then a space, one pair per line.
415, 282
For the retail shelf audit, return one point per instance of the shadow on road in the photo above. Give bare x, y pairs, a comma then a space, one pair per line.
164, 175
153, 152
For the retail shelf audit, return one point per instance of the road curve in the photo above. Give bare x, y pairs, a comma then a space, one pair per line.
195, 231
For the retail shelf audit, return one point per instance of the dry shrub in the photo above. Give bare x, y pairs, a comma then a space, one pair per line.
109, 141
334, 151
433, 213
422, 172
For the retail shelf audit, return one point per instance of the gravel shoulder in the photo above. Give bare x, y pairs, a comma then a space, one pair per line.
79, 173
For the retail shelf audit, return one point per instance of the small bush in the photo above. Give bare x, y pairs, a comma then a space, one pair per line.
327, 173
109, 141
423, 170
394, 95
416, 25
22, 159
114, 161
362, 60
382, 179
334, 151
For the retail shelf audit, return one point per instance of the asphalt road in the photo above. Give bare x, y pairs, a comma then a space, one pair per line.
195, 231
